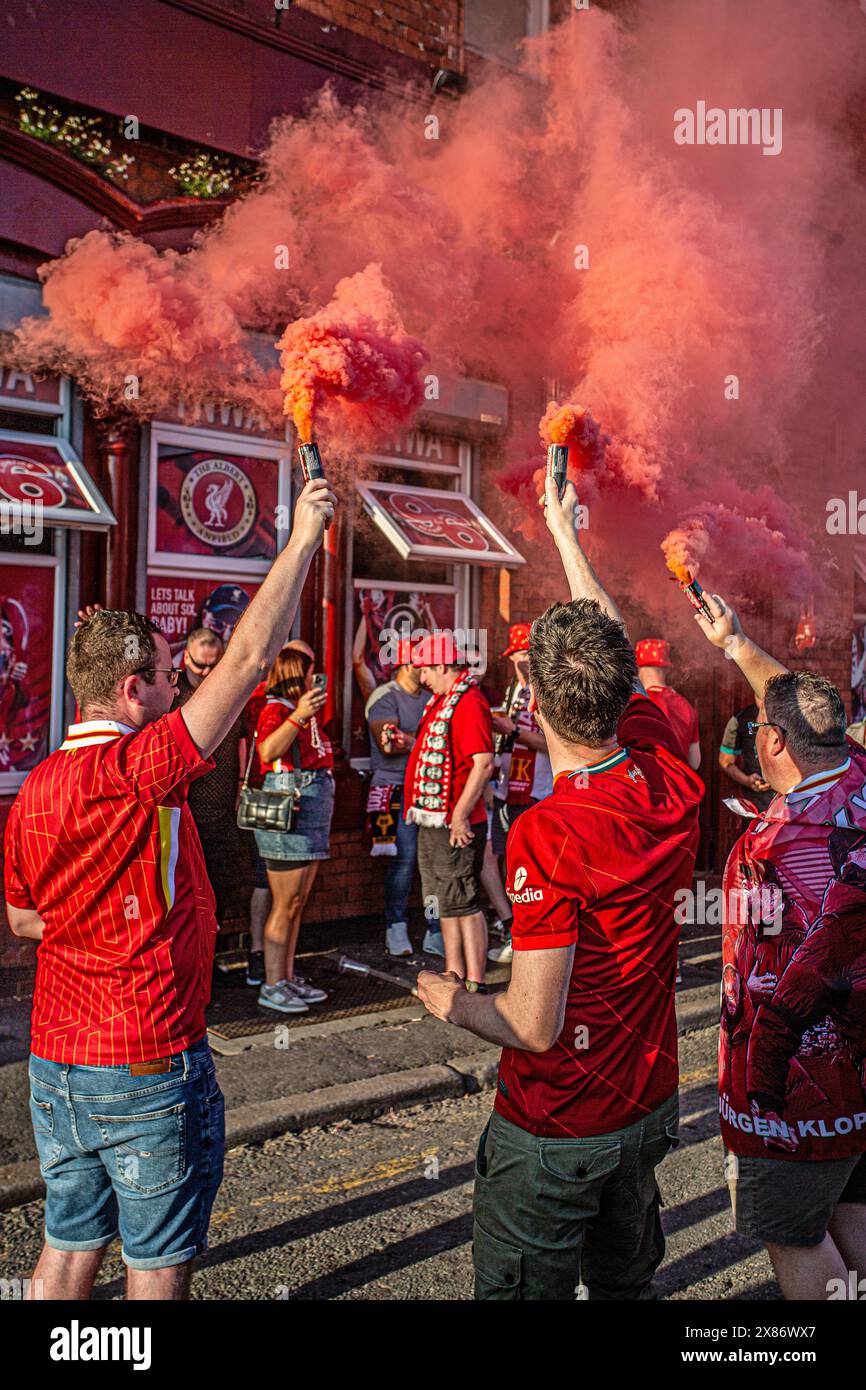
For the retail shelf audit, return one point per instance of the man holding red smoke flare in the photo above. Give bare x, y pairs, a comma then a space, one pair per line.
104, 868
586, 1105
793, 1042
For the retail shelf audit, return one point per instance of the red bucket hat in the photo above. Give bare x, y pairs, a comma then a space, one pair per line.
653, 651
437, 649
403, 652
518, 638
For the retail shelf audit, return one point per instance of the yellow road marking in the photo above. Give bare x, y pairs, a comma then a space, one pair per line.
703, 1075
380, 1172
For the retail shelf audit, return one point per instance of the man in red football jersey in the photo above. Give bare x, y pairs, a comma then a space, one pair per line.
103, 867
792, 1074
448, 767
653, 663
565, 1193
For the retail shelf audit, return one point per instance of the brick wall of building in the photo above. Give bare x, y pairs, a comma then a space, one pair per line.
429, 30
350, 883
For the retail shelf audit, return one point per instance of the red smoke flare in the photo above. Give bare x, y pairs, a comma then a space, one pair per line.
750, 549
573, 425
352, 360
684, 548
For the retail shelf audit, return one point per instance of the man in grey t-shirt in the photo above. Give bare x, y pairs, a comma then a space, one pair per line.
393, 714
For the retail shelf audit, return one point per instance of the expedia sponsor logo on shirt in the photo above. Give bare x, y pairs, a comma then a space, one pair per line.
527, 895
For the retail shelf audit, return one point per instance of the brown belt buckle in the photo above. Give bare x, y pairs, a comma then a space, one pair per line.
159, 1064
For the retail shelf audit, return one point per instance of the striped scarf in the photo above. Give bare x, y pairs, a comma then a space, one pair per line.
434, 766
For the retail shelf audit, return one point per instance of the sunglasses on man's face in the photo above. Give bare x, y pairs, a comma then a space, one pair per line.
200, 665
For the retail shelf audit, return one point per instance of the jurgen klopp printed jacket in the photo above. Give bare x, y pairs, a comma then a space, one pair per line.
793, 1030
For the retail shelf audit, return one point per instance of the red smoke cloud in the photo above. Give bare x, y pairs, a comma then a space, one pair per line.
353, 359
744, 551
134, 325
704, 303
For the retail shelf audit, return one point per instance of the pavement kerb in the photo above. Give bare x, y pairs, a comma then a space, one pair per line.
355, 1100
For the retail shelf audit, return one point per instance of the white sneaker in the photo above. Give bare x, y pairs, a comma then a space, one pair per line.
501, 954
283, 998
304, 990
433, 944
397, 940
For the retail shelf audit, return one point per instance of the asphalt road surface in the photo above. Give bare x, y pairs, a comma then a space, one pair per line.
381, 1210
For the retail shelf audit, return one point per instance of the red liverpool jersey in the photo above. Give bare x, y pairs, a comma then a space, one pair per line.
471, 732
597, 865
100, 841
792, 1046
683, 717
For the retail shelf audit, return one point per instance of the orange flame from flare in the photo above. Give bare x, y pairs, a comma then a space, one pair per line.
681, 572
575, 426
564, 424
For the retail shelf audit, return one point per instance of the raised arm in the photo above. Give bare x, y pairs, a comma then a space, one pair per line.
562, 523
211, 711
725, 631
363, 674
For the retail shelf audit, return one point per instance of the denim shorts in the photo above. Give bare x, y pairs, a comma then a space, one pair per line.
138, 1156
311, 836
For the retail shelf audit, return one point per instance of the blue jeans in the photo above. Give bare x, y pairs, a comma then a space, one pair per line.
138, 1156
399, 872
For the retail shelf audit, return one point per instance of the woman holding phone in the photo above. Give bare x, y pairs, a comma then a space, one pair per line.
294, 696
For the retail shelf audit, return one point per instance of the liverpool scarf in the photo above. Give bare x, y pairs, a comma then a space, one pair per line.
434, 766
383, 808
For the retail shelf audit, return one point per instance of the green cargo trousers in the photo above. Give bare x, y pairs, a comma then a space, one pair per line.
552, 1213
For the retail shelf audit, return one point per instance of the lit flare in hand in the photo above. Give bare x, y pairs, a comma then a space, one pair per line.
679, 548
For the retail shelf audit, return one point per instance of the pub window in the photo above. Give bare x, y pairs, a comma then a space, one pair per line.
30, 422
496, 28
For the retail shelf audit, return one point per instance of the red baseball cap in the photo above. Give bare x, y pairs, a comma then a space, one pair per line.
437, 649
653, 651
518, 638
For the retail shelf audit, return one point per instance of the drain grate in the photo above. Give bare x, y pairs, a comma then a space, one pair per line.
234, 1013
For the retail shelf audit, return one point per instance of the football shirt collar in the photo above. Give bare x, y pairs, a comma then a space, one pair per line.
610, 760
92, 731
818, 782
